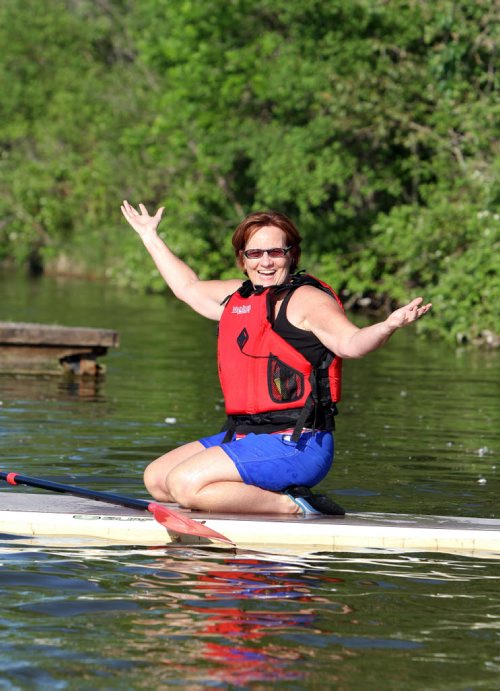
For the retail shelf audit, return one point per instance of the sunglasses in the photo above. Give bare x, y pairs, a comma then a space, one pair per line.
274, 252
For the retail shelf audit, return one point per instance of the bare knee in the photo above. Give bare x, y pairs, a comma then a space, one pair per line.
190, 482
183, 489
154, 481
170, 485
158, 471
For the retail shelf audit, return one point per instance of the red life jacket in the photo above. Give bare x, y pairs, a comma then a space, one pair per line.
266, 382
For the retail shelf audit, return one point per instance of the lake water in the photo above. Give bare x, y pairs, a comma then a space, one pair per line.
418, 433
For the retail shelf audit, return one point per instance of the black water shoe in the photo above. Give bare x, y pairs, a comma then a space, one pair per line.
311, 503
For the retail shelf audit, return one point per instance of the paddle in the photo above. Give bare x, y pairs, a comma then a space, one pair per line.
170, 519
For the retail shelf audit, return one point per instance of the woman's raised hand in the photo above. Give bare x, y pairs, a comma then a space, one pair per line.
141, 221
407, 314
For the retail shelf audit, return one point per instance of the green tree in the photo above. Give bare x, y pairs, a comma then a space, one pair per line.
371, 123
62, 111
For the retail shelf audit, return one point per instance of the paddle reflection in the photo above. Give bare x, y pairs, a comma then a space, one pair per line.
221, 606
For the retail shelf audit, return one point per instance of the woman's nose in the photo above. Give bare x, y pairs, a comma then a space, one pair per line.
266, 259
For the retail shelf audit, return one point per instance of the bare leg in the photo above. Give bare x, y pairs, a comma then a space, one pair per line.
237, 497
207, 479
158, 470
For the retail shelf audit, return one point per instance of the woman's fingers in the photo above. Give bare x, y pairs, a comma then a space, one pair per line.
416, 309
140, 220
409, 313
159, 214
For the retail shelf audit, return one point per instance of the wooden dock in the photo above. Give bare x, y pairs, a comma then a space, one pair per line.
52, 349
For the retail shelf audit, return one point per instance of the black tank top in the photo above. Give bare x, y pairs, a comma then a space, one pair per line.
304, 341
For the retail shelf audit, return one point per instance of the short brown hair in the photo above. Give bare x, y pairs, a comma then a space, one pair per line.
251, 223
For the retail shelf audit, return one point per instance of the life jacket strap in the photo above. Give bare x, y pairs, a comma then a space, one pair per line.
263, 423
304, 414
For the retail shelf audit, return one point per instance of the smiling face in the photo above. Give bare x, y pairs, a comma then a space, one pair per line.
267, 271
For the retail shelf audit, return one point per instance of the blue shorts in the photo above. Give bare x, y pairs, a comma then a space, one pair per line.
274, 462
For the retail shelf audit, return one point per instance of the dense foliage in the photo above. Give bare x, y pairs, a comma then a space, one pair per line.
371, 123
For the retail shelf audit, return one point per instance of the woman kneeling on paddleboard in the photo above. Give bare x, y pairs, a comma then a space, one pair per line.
282, 337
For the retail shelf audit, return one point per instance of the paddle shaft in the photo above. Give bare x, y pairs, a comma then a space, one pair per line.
168, 518
107, 497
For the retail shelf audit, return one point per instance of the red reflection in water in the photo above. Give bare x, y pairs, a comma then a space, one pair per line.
234, 637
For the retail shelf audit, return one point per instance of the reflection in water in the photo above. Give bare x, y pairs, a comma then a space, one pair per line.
85, 388
238, 644
53, 388
197, 616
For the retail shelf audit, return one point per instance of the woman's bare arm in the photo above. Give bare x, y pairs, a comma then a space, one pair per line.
204, 297
314, 310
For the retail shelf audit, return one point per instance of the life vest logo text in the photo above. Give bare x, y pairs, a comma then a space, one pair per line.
242, 309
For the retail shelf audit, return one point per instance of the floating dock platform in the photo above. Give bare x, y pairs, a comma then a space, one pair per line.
51, 349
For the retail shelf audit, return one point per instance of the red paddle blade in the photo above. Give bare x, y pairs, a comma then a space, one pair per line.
176, 521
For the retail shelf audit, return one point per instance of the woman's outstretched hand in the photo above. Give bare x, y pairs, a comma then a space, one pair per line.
407, 314
141, 222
